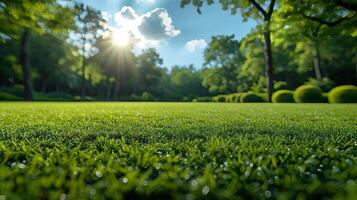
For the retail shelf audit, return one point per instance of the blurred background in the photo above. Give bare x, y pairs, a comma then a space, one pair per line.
160, 50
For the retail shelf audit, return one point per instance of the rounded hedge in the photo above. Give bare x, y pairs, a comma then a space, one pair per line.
237, 97
251, 97
308, 94
219, 98
283, 96
229, 98
343, 94
4, 96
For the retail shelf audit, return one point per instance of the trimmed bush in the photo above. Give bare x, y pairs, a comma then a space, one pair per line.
4, 96
202, 99
283, 96
251, 97
343, 94
219, 98
308, 94
52, 96
230, 98
237, 97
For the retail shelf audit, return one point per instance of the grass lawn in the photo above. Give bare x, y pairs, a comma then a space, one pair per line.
177, 150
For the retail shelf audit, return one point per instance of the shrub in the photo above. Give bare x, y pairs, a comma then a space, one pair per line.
229, 98
86, 98
308, 94
325, 84
52, 96
219, 98
202, 99
283, 96
4, 96
280, 85
263, 95
237, 97
343, 94
251, 97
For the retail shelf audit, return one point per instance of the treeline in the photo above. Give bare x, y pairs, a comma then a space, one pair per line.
67, 53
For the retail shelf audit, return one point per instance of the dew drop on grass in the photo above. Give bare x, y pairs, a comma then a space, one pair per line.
205, 190
125, 180
98, 174
22, 166
348, 162
267, 194
63, 196
247, 173
194, 184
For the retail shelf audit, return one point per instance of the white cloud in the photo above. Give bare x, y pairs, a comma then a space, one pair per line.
126, 16
148, 29
157, 25
194, 45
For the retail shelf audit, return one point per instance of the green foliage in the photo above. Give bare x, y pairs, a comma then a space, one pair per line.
202, 99
186, 81
325, 84
280, 85
283, 96
52, 96
223, 61
343, 94
251, 97
177, 150
308, 94
219, 98
230, 98
147, 96
38, 16
5, 96
237, 97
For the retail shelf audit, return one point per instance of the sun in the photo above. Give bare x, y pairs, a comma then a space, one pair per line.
120, 38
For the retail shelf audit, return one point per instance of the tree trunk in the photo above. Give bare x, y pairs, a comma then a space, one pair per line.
83, 82
356, 67
108, 88
317, 60
268, 63
116, 89
25, 62
44, 84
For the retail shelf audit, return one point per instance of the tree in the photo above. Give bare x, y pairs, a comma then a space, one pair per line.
149, 70
224, 55
19, 18
310, 19
254, 9
54, 61
89, 23
187, 83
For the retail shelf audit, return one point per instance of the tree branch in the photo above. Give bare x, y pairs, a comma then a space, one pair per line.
255, 4
271, 9
321, 21
347, 5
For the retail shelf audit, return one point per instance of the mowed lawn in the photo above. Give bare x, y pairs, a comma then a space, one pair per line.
177, 151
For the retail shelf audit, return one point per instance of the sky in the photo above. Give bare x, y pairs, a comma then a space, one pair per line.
179, 34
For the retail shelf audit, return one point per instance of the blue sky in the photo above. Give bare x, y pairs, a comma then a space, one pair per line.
186, 23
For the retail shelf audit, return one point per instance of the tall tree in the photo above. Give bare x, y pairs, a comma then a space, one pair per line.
89, 23
312, 18
255, 9
53, 61
187, 83
224, 58
19, 18
150, 73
